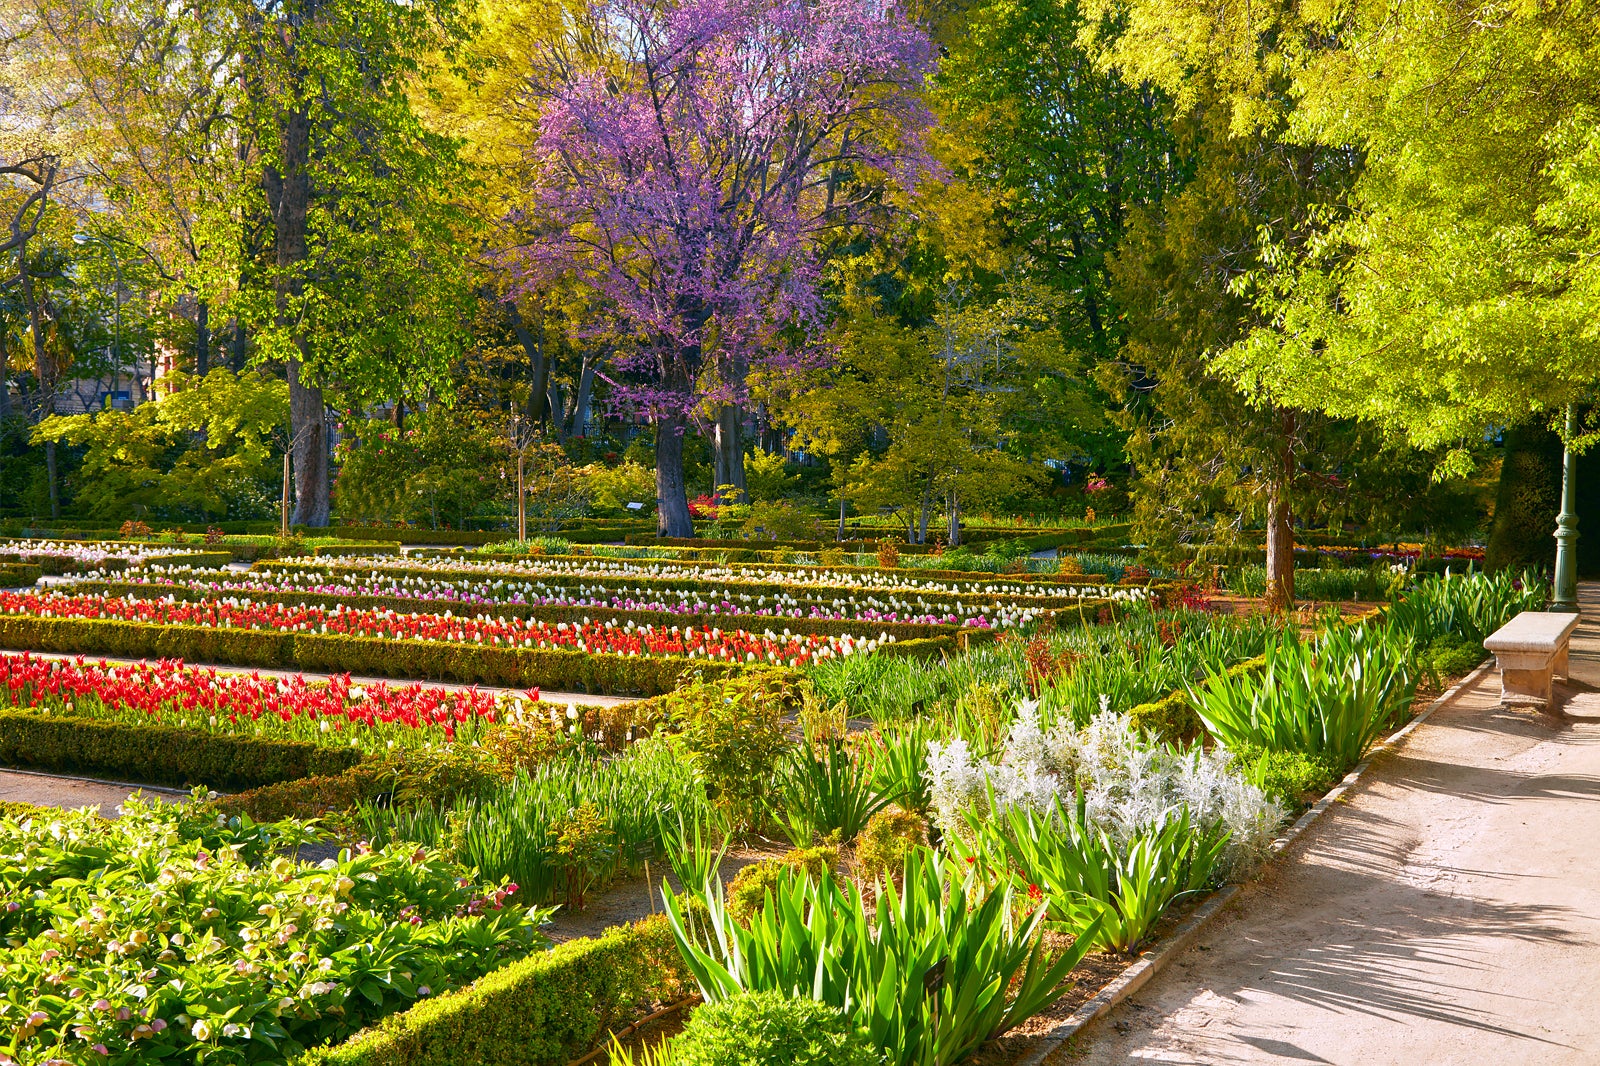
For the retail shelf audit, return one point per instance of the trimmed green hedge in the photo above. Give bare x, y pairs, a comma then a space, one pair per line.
545, 1010
557, 669
159, 755
19, 575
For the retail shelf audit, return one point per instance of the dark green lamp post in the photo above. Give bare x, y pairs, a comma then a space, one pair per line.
1564, 596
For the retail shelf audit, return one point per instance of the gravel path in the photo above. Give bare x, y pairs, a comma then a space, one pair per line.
1448, 913
53, 790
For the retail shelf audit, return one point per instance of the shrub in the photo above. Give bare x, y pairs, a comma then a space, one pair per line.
766, 1029
1110, 891
750, 886
888, 554
1452, 656
1292, 776
545, 1010
160, 755
195, 966
1333, 697
882, 847
734, 732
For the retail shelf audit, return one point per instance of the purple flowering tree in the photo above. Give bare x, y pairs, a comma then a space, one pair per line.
692, 155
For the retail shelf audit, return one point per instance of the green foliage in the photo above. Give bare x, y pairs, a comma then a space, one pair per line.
444, 465
1296, 777
734, 734
545, 1010
532, 829
767, 477
193, 966
1452, 656
819, 938
403, 779
1471, 606
827, 792
765, 1029
692, 849
1098, 890
779, 520
1334, 697
202, 449
1526, 502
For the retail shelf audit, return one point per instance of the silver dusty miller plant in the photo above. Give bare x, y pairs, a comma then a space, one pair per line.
1129, 782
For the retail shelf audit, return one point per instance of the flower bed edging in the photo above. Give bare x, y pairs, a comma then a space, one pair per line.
1152, 960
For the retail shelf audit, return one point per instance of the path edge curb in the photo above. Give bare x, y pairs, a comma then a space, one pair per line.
1151, 961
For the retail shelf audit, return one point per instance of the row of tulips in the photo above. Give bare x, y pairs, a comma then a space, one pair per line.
655, 570
608, 638
373, 717
484, 591
89, 553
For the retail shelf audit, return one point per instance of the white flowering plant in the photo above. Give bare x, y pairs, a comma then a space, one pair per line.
1126, 782
175, 935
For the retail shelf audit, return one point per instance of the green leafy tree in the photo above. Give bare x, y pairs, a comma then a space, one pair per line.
202, 449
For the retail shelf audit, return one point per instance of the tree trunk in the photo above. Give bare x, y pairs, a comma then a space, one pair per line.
5, 372
554, 407
202, 339
672, 498
44, 372
308, 422
236, 357
730, 451
955, 519
289, 195
580, 411
1280, 537
538, 366
840, 537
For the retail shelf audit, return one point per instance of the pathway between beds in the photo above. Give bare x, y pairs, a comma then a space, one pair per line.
1448, 912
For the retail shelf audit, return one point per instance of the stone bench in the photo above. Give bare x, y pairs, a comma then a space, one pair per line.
1530, 650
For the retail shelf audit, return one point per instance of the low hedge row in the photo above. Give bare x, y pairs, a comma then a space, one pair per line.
19, 575
556, 669
571, 615
159, 755
544, 1010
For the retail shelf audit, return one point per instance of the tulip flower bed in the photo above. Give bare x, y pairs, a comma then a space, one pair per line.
595, 638
372, 718
68, 557
166, 936
754, 579
912, 615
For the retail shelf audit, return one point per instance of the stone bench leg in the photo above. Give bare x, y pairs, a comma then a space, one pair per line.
1559, 667
1522, 682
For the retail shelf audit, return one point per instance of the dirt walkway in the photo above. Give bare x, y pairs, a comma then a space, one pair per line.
1448, 913
70, 793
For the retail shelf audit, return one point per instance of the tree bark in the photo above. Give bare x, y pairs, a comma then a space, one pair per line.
5, 372
730, 451
580, 410
202, 338
236, 357
538, 365
672, 498
955, 519
44, 371
1280, 533
289, 195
